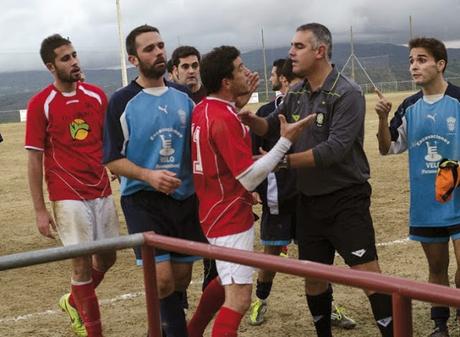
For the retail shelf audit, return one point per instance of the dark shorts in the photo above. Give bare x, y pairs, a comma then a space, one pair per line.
277, 229
154, 211
434, 234
339, 221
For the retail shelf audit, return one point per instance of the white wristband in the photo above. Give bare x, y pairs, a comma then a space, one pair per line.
258, 171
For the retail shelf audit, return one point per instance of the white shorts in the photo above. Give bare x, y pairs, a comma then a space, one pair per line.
80, 221
232, 273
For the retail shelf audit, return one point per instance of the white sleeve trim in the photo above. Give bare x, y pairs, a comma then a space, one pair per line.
28, 147
259, 170
400, 145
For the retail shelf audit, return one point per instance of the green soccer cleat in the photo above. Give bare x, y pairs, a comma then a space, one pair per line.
257, 312
340, 320
75, 321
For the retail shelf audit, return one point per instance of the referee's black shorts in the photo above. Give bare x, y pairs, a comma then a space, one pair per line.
339, 221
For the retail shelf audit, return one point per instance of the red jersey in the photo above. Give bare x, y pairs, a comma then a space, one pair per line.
221, 151
67, 127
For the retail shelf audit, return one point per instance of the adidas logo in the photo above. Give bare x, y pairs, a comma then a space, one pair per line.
317, 318
359, 253
385, 321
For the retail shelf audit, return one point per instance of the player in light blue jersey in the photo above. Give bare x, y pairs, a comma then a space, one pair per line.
427, 125
147, 143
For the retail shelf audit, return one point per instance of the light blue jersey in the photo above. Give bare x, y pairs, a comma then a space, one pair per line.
155, 134
430, 132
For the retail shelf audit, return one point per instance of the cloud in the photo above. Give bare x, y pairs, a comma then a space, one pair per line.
92, 24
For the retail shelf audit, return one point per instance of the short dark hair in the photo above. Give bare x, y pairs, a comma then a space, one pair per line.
286, 71
48, 46
184, 51
435, 47
217, 65
131, 38
321, 33
278, 64
169, 66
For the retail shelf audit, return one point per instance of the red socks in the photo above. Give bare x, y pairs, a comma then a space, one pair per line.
97, 277
226, 323
211, 300
88, 308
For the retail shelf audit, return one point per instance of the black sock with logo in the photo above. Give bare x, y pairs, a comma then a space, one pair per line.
321, 307
383, 313
172, 316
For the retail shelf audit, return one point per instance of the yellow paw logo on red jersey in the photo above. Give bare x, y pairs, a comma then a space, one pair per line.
79, 129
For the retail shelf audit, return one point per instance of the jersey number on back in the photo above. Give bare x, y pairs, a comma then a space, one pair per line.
197, 165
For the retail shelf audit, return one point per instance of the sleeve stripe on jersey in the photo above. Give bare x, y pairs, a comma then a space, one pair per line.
28, 147
48, 101
400, 144
396, 121
124, 128
91, 94
216, 164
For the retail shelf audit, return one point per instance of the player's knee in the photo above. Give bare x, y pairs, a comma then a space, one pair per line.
105, 262
315, 287
438, 267
242, 304
372, 266
245, 303
183, 282
165, 287
239, 303
81, 269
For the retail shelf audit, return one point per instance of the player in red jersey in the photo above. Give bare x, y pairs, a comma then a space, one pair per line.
224, 175
64, 139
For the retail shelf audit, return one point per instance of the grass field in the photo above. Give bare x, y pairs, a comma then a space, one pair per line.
29, 295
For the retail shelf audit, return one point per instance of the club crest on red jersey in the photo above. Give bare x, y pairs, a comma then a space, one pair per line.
79, 129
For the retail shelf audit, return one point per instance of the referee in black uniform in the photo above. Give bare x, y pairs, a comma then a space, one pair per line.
332, 172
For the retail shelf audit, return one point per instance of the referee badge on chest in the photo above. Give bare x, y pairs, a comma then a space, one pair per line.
320, 119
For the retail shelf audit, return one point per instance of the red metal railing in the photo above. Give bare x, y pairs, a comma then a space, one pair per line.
402, 290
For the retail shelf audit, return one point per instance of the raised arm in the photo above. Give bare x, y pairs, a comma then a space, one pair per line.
383, 108
259, 170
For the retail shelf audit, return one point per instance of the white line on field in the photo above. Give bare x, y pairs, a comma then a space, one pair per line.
395, 242
120, 298
130, 296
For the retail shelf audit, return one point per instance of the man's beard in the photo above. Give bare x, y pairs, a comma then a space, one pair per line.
67, 77
153, 71
276, 86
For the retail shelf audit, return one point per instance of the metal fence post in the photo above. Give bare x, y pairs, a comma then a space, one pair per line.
402, 316
151, 292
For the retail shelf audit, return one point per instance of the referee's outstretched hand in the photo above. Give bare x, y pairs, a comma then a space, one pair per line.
292, 130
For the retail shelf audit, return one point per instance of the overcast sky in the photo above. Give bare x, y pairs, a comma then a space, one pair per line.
92, 24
